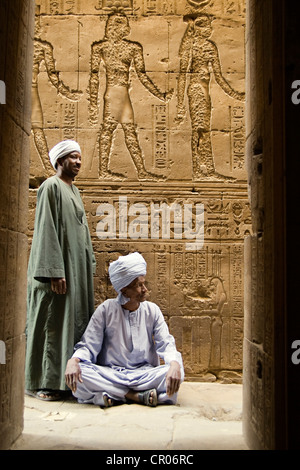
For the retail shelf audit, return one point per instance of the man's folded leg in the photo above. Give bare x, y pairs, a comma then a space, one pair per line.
98, 381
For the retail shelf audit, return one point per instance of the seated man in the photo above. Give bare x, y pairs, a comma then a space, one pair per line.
117, 359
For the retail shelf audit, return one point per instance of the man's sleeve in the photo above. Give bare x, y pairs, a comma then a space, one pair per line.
89, 347
164, 341
89, 239
46, 253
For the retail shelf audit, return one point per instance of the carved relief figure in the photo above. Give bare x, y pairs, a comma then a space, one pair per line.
118, 55
199, 58
209, 297
218, 299
43, 53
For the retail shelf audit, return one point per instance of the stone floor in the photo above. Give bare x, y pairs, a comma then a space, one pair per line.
208, 416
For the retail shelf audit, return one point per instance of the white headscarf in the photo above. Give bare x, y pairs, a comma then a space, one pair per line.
124, 270
62, 149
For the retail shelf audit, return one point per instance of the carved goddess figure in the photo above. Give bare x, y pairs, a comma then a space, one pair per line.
118, 55
199, 58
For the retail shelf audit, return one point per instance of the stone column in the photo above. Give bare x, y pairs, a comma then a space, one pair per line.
265, 401
16, 36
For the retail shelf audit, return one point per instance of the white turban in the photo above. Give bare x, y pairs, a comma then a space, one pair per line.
62, 149
125, 270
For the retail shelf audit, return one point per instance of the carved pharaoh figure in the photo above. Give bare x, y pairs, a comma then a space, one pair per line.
199, 58
43, 52
119, 54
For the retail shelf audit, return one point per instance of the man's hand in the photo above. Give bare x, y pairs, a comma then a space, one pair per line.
59, 285
173, 379
73, 373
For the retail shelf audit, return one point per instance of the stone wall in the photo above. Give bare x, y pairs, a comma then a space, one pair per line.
16, 36
153, 92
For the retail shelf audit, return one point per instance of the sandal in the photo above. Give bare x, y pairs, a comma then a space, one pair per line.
108, 401
145, 397
49, 395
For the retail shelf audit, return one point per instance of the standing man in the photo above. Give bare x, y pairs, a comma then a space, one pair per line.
118, 357
60, 276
